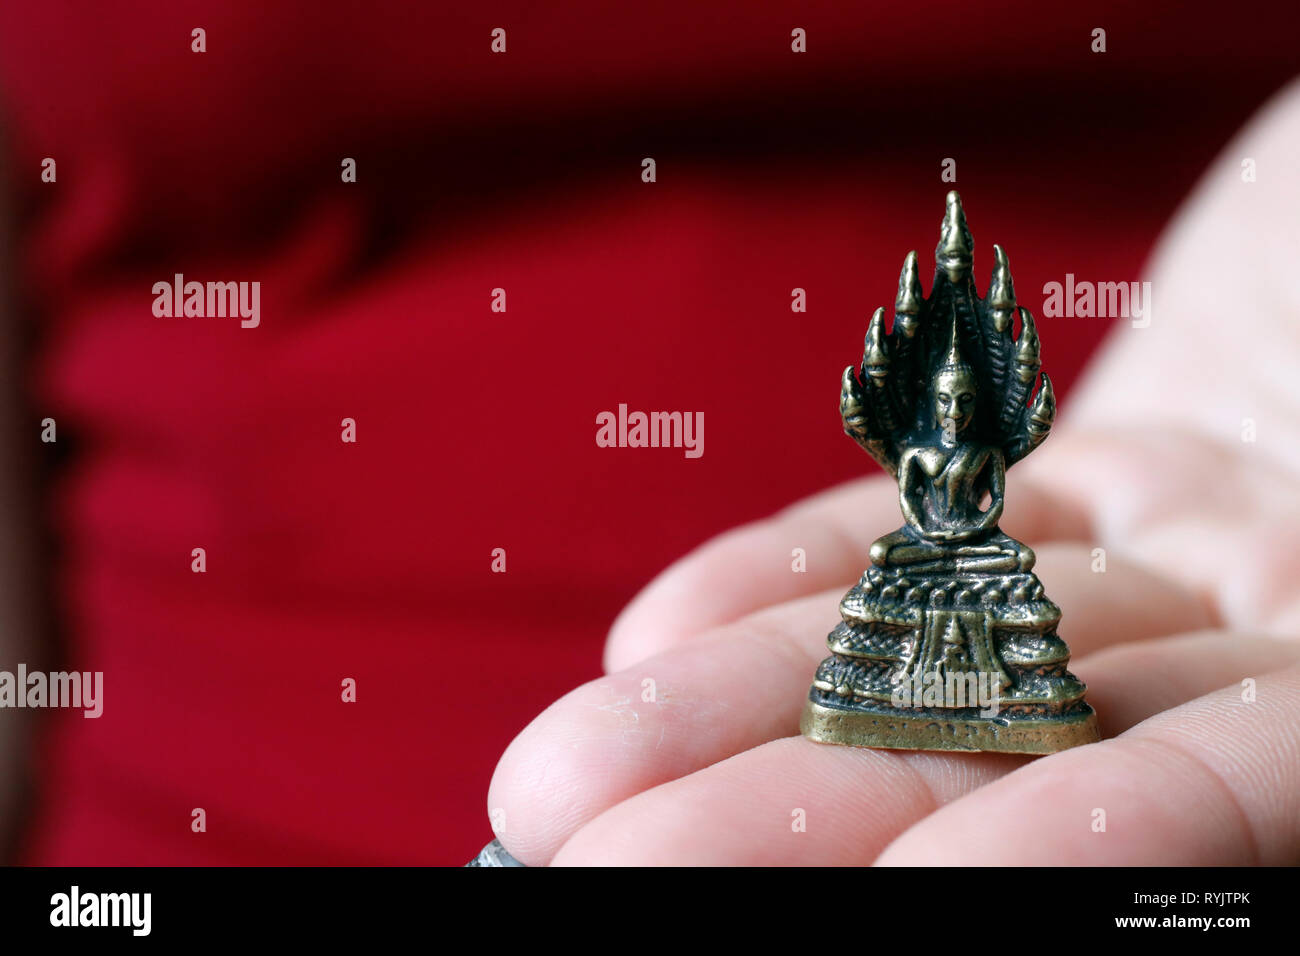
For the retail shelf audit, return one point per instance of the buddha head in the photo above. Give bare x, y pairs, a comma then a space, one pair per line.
954, 397
954, 388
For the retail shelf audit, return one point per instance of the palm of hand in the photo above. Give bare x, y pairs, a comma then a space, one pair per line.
685, 752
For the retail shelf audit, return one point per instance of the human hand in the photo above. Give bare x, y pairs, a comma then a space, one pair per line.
687, 751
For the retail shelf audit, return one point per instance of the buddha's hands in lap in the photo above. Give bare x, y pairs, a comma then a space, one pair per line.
947, 536
686, 752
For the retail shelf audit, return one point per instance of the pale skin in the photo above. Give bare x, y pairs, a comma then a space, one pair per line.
1189, 640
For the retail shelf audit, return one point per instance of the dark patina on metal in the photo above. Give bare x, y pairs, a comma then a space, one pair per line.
948, 641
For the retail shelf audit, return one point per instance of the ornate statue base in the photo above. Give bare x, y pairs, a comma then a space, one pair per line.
944, 659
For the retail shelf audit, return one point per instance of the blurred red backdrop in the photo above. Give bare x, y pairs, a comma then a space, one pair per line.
476, 429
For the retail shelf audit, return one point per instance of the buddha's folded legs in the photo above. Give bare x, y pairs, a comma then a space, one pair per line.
899, 547
997, 551
1022, 553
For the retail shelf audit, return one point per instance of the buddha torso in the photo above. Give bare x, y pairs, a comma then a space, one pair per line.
947, 481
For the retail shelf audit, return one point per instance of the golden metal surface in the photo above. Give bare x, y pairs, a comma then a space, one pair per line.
900, 732
948, 641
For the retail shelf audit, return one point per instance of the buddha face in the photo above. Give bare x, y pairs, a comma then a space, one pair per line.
954, 398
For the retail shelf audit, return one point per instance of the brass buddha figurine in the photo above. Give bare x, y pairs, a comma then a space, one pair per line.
948, 642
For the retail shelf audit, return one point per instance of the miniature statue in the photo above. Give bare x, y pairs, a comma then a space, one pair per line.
947, 642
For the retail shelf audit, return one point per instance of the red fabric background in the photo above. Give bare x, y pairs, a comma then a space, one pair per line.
476, 429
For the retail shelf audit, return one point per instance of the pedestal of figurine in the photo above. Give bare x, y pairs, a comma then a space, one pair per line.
948, 661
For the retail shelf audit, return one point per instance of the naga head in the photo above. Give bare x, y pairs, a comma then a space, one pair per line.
953, 254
